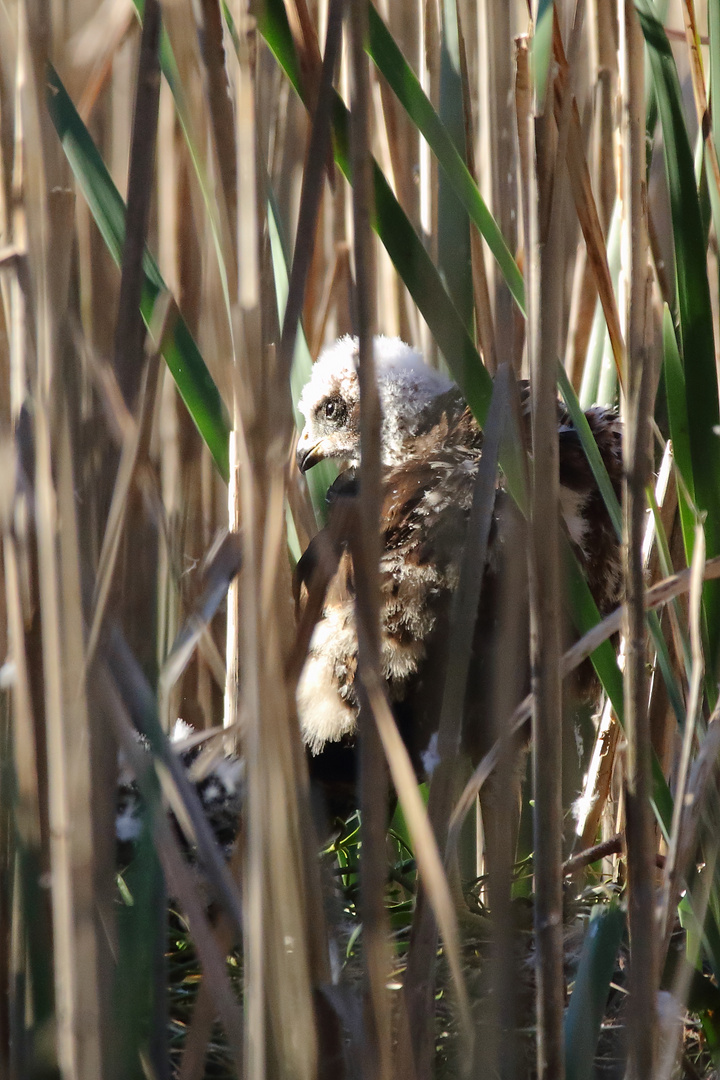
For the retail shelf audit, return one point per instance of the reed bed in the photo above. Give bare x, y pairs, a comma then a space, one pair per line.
195, 197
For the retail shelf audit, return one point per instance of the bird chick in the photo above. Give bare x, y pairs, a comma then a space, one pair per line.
330, 402
431, 448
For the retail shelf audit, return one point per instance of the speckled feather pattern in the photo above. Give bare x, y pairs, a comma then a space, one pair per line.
427, 493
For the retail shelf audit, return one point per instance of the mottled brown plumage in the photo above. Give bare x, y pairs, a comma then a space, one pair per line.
427, 493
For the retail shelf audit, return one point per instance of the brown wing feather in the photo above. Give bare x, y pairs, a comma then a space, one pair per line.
425, 507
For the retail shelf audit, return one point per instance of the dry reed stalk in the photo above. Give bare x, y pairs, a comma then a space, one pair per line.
485, 327
66, 721
699, 93
89, 52
429, 68
202, 104
498, 151
319, 147
373, 778
640, 825
179, 875
655, 597
134, 452
604, 34
130, 332
210, 32
545, 202
586, 209
283, 924
419, 983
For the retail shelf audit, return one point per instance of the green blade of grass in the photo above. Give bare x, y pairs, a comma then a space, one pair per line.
592, 985
193, 380
697, 347
403, 245
454, 258
273, 25
391, 63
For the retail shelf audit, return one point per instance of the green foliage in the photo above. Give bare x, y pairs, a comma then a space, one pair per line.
181, 354
590, 991
695, 319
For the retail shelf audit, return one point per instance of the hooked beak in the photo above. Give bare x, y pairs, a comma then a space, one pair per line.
308, 455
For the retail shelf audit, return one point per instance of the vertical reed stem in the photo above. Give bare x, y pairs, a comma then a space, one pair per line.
373, 782
641, 870
544, 295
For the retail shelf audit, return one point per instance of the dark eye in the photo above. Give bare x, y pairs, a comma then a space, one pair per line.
334, 410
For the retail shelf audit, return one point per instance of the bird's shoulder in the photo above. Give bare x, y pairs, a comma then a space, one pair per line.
446, 421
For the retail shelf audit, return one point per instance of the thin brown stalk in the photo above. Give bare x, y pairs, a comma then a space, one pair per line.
312, 186
337, 279
65, 729
698, 791
135, 449
130, 331
585, 205
499, 150
614, 845
419, 983
220, 104
595, 793
544, 276
698, 83
192, 1066
177, 872
307, 46
91, 49
636, 446
660, 594
373, 781
481, 291
424, 844
604, 39
282, 904
223, 563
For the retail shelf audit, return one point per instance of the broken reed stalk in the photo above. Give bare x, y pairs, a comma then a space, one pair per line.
636, 447
373, 776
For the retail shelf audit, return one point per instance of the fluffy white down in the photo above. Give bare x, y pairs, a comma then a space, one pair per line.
405, 382
324, 715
